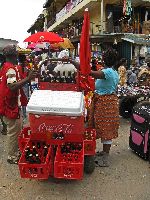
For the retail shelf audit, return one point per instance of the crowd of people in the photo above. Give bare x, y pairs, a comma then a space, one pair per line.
135, 75
18, 72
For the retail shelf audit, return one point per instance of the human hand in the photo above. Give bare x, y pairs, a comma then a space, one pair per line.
32, 74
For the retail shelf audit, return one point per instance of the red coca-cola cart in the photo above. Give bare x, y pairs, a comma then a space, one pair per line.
57, 143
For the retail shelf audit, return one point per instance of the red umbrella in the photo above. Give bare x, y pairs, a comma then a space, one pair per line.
44, 37
85, 50
37, 50
31, 46
41, 45
86, 81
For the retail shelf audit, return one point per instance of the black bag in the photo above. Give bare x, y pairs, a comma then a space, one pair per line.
141, 114
139, 139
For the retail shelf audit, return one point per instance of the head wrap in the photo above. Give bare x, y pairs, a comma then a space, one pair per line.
64, 53
10, 50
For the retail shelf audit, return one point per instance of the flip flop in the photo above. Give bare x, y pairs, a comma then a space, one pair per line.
100, 153
102, 161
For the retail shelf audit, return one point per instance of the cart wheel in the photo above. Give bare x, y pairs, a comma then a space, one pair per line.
89, 164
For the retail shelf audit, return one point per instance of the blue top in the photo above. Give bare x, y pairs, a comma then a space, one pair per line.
109, 84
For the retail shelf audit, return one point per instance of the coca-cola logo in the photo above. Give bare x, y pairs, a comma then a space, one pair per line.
65, 128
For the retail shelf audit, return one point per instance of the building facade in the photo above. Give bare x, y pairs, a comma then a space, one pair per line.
5, 42
111, 21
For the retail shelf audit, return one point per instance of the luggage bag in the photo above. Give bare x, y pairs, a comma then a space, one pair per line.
139, 139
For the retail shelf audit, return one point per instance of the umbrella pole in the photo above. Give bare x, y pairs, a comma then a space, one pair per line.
49, 52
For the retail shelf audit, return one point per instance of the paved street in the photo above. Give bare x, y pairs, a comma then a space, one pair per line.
127, 178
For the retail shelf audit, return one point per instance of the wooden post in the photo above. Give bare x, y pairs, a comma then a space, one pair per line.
102, 13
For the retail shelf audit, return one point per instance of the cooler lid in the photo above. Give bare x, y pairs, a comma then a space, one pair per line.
56, 102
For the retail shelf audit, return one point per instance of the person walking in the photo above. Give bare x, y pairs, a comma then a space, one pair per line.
11, 98
131, 78
104, 111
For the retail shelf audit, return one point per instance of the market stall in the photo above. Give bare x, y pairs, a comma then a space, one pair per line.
57, 143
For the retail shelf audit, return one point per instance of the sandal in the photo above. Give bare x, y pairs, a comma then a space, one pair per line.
100, 153
102, 161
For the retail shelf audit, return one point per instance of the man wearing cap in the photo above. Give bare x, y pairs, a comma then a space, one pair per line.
11, 99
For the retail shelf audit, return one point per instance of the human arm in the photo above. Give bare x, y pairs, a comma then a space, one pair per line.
17, 85
98, 74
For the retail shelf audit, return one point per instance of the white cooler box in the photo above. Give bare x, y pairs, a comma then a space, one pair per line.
53, 111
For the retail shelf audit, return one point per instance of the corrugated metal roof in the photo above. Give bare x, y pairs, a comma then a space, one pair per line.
137, 39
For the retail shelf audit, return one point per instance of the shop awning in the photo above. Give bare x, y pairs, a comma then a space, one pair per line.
137, 39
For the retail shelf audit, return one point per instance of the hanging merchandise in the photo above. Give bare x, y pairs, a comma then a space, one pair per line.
127, 8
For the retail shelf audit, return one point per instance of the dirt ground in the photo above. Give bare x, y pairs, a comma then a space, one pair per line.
127, 178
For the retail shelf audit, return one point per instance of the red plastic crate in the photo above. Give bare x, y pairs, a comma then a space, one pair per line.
24, 137
69, 169
74, 137
89, 141
36, 171
58, 86
89, 147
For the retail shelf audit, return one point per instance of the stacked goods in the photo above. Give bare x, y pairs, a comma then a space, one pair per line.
70, 152
133, 91
140, 129
48, 77
36, 152
54, 82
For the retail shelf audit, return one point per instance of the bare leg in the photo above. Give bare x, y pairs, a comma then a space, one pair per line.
103, 158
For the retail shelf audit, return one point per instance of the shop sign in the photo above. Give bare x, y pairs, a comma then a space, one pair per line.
70, 5
61, 14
